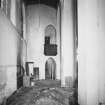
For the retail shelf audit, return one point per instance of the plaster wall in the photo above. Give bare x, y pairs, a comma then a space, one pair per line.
91, 52
10, 56
37, 18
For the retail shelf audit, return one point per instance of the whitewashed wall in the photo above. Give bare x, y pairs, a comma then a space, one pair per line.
37, 18
91, 52
10, 41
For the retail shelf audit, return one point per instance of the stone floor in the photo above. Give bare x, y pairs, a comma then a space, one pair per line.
44, 92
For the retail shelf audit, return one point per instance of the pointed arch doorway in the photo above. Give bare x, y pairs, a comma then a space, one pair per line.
50, 69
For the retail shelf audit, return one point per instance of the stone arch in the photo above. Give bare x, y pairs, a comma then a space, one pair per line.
50, 69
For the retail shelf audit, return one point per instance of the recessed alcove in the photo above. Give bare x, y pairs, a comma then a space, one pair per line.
50, 69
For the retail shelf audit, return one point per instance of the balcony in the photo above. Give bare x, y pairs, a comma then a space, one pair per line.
50, 49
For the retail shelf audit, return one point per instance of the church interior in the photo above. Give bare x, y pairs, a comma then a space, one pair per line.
52, 52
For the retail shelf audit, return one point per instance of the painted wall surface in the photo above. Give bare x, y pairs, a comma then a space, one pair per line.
37, 18
91, 52
9, 52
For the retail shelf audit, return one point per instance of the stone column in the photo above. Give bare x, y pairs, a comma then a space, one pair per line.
67, 43
13, 12
24, 20
58, 44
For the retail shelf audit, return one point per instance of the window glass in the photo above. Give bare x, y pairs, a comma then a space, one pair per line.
50, 32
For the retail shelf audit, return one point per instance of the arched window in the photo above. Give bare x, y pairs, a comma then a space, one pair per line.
50, 46
50, 34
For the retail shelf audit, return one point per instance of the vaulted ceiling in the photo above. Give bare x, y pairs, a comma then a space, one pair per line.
52, 3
